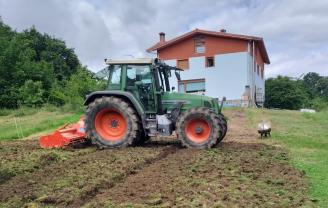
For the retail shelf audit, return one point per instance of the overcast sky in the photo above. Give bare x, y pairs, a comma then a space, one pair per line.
295, 31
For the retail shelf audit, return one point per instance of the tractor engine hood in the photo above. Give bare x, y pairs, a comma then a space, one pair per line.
171, 99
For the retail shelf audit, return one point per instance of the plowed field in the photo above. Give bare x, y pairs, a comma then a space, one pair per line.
240, 172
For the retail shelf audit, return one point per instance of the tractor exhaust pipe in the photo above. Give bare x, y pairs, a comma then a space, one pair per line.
222, 102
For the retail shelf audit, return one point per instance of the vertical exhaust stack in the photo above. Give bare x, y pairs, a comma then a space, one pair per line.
161, 37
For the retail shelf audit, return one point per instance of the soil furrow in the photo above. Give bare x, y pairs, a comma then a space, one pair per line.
76, 176
89, 195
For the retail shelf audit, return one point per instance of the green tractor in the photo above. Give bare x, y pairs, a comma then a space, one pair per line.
139, 104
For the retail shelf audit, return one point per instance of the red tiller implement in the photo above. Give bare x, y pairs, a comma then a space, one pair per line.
66, 135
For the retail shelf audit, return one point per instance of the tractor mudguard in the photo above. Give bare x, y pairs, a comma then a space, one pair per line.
121, 94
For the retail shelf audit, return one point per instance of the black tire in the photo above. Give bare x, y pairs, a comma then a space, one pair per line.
119, 106
224, 125
199, 114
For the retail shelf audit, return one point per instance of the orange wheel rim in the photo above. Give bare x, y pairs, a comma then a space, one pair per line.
198, 130
110, 125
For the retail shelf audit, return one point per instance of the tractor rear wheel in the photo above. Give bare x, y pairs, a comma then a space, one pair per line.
224, 125
199, 128
111, 122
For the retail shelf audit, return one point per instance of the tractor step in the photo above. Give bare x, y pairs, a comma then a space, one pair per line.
68, 134
151, 126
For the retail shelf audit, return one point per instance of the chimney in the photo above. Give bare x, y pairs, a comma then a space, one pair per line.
161, 37
223, 30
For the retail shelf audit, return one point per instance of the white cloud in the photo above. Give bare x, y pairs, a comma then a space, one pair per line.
295, 31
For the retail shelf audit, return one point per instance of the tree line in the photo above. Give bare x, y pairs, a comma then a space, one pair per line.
288, 93
36, 69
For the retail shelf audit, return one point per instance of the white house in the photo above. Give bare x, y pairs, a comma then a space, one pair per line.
217, 64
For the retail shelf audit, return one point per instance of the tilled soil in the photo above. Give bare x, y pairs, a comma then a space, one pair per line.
240, 172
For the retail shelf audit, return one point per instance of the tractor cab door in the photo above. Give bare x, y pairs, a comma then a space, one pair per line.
139, 83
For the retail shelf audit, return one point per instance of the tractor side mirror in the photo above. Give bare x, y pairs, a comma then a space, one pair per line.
177, 76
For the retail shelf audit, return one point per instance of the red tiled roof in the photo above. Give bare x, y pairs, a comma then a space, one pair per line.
260, 42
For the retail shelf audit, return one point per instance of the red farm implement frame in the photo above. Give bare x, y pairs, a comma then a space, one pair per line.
64, 136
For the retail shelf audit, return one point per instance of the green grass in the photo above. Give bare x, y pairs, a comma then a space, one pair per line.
305, 135
25, 122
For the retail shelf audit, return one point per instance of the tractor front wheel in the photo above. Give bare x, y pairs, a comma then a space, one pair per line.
111, 122
224, 124
199, 128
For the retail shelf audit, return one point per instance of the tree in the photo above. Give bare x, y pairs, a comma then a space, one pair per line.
284, 93
322, 88
34, 57
78, 86
311, 80
32, 93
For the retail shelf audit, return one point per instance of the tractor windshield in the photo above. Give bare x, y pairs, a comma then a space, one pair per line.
164, 80
164, 73
115, 74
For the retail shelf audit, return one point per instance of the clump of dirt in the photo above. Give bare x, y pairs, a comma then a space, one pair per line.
5, 175
47, 159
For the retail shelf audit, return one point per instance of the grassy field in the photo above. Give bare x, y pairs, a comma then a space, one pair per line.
25, 122
305, 135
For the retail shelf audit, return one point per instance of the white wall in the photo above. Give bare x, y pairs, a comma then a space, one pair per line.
255, 80
228, 77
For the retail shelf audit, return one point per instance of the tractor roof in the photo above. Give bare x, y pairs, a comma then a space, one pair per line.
130, 61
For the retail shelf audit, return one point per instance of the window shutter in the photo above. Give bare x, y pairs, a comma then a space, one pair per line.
183, 64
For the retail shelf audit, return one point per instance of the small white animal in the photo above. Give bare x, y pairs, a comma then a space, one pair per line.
264, 128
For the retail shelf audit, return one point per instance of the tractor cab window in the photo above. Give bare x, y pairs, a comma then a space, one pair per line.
139, 83
138, 75
115, 74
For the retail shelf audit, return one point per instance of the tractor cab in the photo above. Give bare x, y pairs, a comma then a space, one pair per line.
145, 79
148, 81
136, 78
139, 93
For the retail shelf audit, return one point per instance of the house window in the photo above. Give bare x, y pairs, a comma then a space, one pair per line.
199, 45
258, 70
209, 61
192, 86
262, 72
183, 64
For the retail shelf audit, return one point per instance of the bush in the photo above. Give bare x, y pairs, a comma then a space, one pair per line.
78, 86
319, 104
32, 93
57, 95
50, 107
284, 93
5, 112
25, 111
